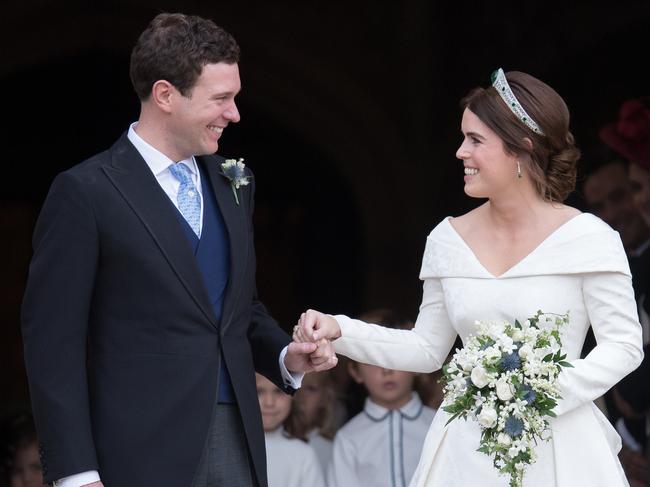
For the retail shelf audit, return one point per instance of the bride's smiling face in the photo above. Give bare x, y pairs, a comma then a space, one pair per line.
489, 169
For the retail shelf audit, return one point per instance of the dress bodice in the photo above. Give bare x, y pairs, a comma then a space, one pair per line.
548, 278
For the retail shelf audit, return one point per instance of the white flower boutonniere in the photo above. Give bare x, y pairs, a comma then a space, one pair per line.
234, 170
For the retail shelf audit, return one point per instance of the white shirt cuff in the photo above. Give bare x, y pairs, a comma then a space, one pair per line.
291, 379
79, 479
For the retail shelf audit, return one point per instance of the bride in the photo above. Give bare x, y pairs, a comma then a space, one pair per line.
520, 251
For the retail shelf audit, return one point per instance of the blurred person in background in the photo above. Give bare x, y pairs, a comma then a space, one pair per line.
609, 194
316, 405
290, 460
21, 465
629, 136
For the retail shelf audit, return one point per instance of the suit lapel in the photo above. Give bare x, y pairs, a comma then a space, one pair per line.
138, 186
236, 218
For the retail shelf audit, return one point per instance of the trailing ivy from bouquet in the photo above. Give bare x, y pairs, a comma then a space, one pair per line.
505, 379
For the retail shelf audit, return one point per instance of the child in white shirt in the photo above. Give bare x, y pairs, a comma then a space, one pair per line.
315, 404
290, 461
380, 447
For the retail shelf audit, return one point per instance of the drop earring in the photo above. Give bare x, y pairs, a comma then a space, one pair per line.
518, 170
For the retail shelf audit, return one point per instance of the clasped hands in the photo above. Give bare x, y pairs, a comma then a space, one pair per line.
311, 349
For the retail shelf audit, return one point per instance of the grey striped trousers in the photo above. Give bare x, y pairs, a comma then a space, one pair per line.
225, 460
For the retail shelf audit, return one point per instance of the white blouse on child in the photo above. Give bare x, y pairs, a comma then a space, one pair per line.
291, 462
380, 447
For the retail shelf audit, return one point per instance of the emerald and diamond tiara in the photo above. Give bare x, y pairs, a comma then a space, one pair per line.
500, 84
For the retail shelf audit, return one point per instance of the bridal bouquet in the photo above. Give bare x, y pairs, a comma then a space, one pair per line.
505, 379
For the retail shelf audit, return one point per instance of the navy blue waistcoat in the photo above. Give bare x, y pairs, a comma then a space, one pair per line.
212, 252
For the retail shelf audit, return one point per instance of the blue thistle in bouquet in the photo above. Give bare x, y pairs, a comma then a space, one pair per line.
514, 427
510, 361
505, 379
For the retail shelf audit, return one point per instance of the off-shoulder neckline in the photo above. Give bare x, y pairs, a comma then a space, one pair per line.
528, 256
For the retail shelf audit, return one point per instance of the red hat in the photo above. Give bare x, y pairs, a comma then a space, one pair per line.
630, 134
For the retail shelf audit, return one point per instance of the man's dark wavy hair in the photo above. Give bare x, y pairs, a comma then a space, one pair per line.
175, 47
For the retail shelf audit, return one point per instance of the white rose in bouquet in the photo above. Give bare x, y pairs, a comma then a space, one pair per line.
525, 351
480, 377
492, 353
504, 390
503, 439
487, 417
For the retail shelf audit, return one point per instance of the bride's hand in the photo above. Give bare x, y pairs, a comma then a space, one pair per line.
314, 326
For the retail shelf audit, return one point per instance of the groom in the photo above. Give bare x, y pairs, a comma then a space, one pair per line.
141, 322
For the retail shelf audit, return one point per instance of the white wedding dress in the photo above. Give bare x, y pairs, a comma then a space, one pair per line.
580, 268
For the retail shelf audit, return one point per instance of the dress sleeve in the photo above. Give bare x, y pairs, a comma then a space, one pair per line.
422, 349
611, 308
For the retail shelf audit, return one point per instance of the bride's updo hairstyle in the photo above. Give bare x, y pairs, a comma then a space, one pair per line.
544, 121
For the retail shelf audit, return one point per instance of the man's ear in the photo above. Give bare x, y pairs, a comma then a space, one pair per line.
353, 370
163, 94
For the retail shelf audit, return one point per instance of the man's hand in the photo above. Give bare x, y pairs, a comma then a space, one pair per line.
314, 326
94, 484
310, 357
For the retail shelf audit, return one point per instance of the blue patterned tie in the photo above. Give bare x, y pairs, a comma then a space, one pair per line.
189, 202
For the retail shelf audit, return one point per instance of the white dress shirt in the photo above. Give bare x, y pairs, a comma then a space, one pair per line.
322, 446
159, 164
291, 462
380, 447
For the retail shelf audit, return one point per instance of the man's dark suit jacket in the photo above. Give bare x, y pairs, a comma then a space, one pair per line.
121, 343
